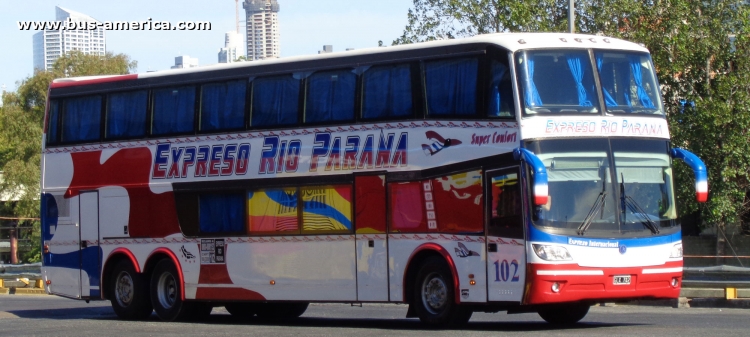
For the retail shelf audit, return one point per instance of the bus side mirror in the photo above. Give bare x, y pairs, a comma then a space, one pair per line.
539, 179
699, 168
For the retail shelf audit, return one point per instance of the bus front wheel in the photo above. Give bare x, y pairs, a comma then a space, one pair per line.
565, 315
434, 296
129, 293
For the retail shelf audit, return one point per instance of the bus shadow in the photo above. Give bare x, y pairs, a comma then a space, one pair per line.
403, 324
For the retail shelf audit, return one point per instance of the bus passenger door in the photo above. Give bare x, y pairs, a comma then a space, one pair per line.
89, 244
506, 254
371, 238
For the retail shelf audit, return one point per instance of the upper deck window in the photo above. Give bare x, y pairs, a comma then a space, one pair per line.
500, 92
275, 101
628, 82
223, 106
54, 122
81, 119
330, 96
557, 81
451, 87
387, 92
174, 110
126, 114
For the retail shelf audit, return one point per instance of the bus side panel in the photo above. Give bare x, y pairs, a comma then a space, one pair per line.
309, 268
61, 266
468, 253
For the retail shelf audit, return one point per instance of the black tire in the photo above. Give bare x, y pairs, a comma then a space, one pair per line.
434, 296
128, 292
242, 310
565, 315
166, 294
282, 311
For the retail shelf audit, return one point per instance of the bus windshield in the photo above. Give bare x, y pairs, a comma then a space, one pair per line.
563, 82
584, 198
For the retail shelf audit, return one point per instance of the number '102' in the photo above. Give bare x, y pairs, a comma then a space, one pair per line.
502, 271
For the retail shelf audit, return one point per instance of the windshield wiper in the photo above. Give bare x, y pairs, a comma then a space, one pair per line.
630, 203
599, 203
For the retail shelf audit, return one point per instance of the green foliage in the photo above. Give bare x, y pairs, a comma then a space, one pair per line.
694, 58
21, 119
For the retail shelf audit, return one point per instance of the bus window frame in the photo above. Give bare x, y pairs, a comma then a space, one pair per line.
61, 114
511, 233
146, 128
357, 98
152, 101
246, 110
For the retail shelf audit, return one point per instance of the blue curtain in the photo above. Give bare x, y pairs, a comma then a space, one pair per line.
54, 122
126, 114
331, 96
451, 87
635, 66
81, 119
387, 92
531, 96
500, 95
608, 99
574, 63
222, 213
223, 106
275, 101
174, 110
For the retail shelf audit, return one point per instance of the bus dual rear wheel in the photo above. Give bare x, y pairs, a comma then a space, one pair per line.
166, 296
129, 292
434, 296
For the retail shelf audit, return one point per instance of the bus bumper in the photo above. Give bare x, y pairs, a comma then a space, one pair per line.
572, 283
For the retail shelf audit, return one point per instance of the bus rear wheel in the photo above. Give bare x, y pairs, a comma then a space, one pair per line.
565, 315
129, 292
166, 295
434, 296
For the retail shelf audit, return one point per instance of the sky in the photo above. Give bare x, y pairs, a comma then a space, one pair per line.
305, 26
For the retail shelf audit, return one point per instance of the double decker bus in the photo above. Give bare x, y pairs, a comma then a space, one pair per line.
504, 172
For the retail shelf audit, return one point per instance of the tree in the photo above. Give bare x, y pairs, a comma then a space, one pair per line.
693, 55
21, 119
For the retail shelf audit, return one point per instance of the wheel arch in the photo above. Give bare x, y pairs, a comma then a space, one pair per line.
419, 255
113, 259
162, 253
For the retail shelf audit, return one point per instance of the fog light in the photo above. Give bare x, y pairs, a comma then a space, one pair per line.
556, 287
675, 282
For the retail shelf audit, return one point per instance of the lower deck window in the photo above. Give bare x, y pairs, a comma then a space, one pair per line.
221, 213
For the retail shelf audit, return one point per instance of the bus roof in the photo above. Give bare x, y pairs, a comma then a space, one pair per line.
510, 41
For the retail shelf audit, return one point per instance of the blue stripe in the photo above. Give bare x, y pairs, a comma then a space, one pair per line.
536, 235
320, 208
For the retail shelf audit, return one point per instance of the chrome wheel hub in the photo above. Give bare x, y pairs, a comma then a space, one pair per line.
124, 289
166, 290
434, 293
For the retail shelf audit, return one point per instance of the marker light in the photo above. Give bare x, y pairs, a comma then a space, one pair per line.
551, 253
676, 251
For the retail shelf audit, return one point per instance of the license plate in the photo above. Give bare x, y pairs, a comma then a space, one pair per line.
622, 279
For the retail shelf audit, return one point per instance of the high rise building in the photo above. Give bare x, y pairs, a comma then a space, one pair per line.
49, 45
233, 47
185, 61
262, 21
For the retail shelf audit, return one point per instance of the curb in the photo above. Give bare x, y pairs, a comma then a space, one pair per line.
22, 291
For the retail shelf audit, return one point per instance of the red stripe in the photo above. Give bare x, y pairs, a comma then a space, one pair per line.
55, 85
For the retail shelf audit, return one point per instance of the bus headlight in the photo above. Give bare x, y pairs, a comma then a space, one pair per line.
551, 253
676, 251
